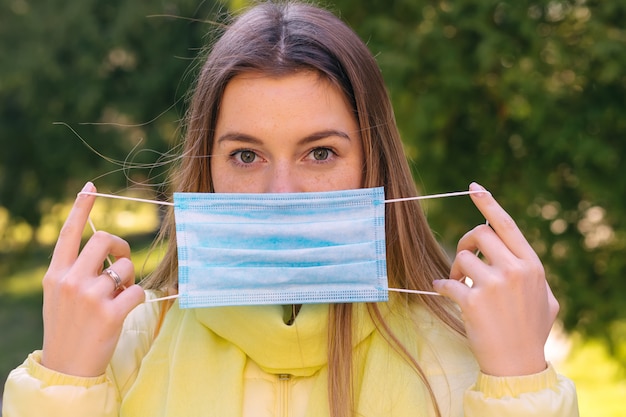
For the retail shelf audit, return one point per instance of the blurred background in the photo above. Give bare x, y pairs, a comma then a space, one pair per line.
526, 97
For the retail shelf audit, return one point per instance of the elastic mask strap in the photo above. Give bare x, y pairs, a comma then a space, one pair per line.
432, 196
119, 197
393, 200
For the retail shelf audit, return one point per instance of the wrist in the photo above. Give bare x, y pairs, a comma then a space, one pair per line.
517, 365
71, 367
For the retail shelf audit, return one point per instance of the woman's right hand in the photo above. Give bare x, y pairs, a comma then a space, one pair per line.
83, 314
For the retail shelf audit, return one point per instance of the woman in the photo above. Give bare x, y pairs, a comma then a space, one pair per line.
290, 100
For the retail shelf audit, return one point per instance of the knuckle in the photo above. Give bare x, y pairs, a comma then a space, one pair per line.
483, 228
68, 287
92, 297
555, 307
126, 265
470, 238
462, 253
508, 222
111, 241
68, 230
530, 270
125, 245
101, 236
539, 269
49, 280
517, 270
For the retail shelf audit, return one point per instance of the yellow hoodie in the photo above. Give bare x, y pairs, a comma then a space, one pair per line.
245, 361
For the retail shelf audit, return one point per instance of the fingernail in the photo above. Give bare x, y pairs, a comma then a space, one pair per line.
88, 187
474, 186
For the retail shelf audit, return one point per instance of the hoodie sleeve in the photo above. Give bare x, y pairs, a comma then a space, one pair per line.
546, 394
33, 390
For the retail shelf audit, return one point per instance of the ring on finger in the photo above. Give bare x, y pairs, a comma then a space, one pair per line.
117, 280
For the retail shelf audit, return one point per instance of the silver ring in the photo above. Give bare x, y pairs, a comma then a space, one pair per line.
116, 278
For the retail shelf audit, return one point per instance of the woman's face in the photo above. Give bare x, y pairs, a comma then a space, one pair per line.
287, 134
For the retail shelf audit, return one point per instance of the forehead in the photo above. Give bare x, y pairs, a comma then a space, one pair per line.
302, 97
292, 84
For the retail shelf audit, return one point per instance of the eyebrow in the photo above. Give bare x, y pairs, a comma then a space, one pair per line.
243, 137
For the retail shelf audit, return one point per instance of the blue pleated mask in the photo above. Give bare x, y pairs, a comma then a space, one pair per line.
287, 248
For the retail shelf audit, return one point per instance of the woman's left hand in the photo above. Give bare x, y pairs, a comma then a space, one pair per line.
509, 310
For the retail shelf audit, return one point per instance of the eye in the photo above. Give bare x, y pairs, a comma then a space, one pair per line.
247, 157
321, 154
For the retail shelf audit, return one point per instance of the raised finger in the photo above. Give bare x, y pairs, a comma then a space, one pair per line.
467, 264
502, 223
68, 245
484, 240
98, 248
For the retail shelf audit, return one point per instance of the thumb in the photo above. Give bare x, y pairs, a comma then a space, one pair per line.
451, 288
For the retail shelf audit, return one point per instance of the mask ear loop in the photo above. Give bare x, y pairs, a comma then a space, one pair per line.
141, 200
394, 200
427, 197
119, 197
169, 297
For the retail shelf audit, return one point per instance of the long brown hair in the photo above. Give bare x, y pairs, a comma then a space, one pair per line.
278, 38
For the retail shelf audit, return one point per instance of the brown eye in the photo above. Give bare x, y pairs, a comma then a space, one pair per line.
247, 157
320, 154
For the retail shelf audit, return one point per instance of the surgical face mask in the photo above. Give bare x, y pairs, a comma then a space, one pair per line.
287, 248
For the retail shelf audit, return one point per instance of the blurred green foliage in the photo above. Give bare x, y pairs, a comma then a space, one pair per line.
526, 97
115, 71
